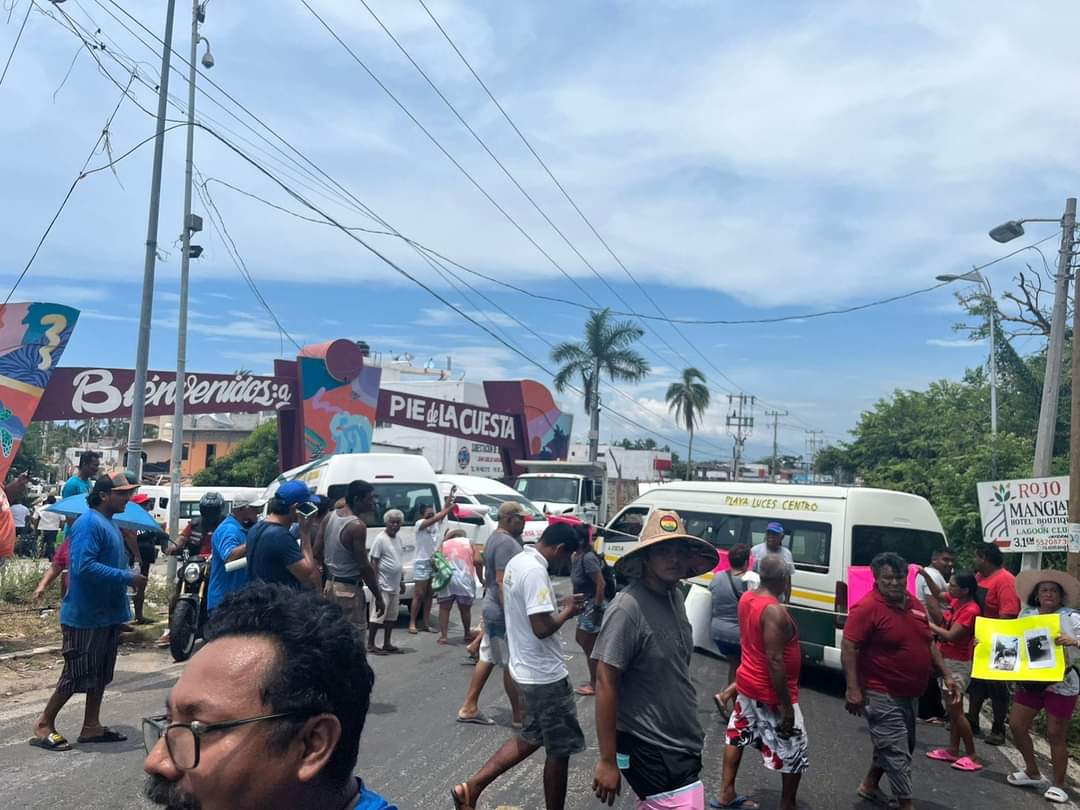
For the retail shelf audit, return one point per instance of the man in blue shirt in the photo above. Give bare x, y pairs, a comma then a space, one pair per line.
79, 484
95, 606
272, 552
228, 543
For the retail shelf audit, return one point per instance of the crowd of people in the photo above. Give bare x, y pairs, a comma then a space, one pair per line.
291, 633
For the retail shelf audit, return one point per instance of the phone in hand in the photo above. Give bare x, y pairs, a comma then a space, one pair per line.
307, 510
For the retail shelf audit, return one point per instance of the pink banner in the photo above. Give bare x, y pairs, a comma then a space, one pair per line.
860, 581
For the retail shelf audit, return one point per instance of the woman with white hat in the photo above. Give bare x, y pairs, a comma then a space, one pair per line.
1045, 592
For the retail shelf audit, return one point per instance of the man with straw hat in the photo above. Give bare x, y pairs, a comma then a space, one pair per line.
651, 735
1046, 592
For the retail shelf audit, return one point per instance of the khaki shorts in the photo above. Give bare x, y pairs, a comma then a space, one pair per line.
350, 598
494, 649
960, 671
391, 605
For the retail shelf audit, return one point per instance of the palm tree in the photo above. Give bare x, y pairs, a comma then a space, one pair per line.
607, 348
689, 399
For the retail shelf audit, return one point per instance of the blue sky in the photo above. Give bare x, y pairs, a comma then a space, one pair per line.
743, 160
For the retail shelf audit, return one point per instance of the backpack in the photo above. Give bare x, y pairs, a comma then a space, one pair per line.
608, 573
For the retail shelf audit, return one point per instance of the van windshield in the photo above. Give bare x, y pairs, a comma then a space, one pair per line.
914, 545
409, 498
549, 490
495, 501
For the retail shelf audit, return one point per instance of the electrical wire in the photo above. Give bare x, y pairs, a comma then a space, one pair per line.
18, 36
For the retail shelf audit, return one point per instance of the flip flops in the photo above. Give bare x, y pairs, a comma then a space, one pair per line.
464, 801
1021, 779
877, 796
392, 650
738, 803
478, 719
51, 742
942, 755
107, 735
967, 764
1056, 795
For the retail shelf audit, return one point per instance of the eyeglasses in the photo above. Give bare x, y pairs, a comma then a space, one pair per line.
183, 740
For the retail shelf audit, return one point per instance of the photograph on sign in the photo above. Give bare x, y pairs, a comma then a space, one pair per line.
1040, 648
1006, 653
1028, 514
1018, 649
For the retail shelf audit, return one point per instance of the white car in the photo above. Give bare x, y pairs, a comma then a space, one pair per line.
480, 498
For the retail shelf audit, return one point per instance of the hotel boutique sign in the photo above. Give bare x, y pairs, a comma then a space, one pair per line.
450, 418
1026, 514
101, 393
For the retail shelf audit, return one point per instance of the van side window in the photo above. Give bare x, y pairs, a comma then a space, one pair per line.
914, 545
808, 541
629, 522
722, 531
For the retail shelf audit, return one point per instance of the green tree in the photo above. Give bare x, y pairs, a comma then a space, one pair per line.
608, 348
29, 457
688, 399
253, 463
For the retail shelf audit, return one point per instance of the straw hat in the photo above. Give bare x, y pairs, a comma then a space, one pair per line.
664, 526
1028, 581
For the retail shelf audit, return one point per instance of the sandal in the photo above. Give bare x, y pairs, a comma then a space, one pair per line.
1056, 795
107, 735
392, 650
942, 755
1021, 779
586, 690
464, 801
478, 719
967, 764
877, 796
51, 742
738, 803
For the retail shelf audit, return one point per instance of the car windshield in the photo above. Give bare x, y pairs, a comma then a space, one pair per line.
495, 501
914, 545
409, 498
549, 490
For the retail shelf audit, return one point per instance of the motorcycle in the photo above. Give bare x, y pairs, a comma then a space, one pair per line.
189, 613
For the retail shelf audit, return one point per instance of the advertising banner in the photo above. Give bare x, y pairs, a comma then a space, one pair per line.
449, 418
1026, 514
1019, 649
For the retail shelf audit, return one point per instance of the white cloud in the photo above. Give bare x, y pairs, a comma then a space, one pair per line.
957, 343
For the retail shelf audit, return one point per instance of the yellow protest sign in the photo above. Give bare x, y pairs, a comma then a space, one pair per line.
1018, 649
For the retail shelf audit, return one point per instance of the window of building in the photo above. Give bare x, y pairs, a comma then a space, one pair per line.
211, 454
184, 451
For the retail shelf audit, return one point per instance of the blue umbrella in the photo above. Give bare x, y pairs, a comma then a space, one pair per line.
133, 516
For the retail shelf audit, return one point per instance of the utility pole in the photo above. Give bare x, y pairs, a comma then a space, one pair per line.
192, 224
594, 415
776, 442
813, 444
1073, 563
740, 424
133, 462
1048, 408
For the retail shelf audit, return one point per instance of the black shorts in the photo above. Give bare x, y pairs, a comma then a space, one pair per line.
551, 718
650, 769
89, 658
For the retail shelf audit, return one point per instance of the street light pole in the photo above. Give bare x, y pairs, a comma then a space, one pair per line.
192, 224
133, 462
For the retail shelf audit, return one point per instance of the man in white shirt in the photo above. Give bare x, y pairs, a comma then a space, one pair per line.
19, 513
48, 523
385, 555
533, 619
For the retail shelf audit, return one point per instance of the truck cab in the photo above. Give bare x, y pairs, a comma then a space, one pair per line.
566, 488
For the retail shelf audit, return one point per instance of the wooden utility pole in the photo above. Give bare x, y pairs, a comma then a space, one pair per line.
776, 442
1074, 426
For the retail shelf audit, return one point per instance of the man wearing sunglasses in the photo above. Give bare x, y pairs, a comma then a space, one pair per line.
268, 713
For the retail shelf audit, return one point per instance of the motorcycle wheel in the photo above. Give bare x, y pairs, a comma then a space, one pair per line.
182, 630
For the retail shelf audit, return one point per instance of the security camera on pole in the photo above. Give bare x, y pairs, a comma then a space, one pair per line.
192, 224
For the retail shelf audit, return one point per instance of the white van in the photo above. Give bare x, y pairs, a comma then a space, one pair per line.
189, 500
401, 481
827, 529
484, 496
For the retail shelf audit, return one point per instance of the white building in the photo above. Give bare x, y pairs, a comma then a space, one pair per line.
630, 465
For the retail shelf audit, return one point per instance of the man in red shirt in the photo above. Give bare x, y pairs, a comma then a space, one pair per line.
1000, 602
766, 713
888, 656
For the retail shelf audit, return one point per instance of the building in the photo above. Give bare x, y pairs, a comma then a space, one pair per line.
629, 465
207, 437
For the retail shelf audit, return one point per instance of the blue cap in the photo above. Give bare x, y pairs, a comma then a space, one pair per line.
775, 528
293, 492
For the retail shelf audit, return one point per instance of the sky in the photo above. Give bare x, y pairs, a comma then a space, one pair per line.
742, 161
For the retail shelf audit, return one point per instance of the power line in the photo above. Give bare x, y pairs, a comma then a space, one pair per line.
18, 36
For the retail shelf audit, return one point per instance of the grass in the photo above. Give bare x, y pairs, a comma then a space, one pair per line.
18, 579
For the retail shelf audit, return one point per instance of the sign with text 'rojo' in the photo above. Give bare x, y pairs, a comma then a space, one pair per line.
1026, 514
100, 393
450, 418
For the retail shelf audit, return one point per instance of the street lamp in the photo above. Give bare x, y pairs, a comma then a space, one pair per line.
1007, 231
978, 278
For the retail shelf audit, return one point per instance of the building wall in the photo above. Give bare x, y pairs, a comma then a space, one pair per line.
636, 465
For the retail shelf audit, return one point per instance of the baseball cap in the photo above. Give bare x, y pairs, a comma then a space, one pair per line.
775, 527
509, 508
244, 501
293, 492
117, 482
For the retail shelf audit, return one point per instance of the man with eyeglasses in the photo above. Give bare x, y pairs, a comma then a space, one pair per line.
268, 713
888, 655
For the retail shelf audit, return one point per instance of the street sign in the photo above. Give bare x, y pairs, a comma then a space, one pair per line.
1026, 514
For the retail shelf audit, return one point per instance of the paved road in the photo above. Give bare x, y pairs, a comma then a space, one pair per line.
412, 750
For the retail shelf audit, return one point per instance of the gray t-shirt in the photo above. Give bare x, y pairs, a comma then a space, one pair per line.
498, 551
647, 636
760, 551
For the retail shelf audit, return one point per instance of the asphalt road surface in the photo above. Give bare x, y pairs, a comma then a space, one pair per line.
413, 751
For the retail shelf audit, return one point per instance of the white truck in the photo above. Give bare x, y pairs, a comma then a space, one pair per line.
566, 488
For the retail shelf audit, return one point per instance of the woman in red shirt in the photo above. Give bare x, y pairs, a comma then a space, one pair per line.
956, 642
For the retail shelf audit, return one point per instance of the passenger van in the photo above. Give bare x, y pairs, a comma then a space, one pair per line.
401, 481
189, 500
483, 497
827, 529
